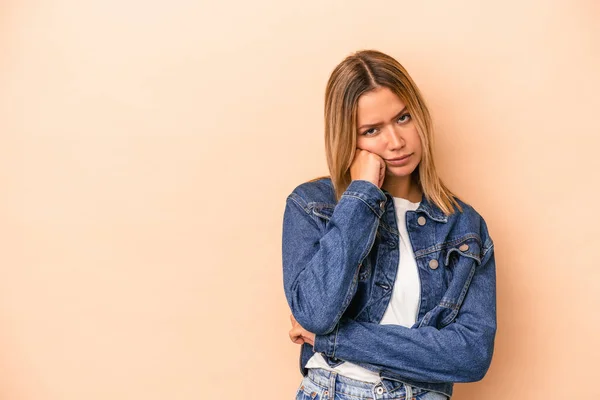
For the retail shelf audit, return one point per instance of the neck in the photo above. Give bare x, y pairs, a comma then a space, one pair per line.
403, 187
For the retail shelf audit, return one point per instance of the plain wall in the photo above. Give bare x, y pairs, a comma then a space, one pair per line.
147, 148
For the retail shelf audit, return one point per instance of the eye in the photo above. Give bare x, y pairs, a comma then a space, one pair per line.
402, 118
366, 133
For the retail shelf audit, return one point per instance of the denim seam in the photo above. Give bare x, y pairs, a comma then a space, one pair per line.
369, 187
335, 340
460, 299
442, 246
318, 214
379, 214
299, 200
474, 256
487, 249
431, 215
316, 209
449, 304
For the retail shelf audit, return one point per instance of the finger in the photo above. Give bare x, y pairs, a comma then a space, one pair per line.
298, 340
296, 337
295, 331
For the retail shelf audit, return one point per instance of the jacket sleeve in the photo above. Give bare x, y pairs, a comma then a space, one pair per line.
459, 352
321, 260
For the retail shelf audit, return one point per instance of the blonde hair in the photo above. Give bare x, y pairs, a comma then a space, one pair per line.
357, 74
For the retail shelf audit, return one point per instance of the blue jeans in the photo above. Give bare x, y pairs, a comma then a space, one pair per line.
321, 384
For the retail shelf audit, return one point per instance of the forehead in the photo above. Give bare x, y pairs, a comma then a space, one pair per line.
378, 105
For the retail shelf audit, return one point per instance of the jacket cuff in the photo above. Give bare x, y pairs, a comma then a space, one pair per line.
326, 343
369, 193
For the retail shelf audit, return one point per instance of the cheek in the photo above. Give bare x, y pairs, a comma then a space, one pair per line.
417, 141
370, 144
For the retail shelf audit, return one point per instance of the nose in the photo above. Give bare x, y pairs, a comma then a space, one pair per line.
395, 139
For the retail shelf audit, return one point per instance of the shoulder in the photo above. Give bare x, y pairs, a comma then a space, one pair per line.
470, 219
316, 191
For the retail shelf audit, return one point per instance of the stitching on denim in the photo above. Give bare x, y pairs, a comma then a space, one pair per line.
316, 206
461, 298
474, 256
299, 200
444, 245
335, 340
430, 213
449, 304
364, 201
320, 204
487, 249
316, 211
318, 214
314, 383
463, 293
425, 319
449, 318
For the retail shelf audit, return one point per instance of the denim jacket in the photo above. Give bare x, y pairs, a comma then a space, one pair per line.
339, 266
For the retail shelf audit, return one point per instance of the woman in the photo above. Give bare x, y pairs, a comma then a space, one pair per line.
390, 277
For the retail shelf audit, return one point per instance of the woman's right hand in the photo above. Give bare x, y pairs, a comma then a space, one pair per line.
368, 166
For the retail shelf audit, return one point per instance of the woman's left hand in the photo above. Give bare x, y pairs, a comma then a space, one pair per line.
300, 335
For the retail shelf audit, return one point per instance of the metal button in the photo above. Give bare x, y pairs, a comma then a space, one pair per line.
379, 390
392, 244
433, 264
421, 221
464, 247
382, 205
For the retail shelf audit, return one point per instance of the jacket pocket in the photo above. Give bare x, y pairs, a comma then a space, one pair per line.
460, 259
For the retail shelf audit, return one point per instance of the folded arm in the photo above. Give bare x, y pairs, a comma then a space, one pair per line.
459, 352
321, 261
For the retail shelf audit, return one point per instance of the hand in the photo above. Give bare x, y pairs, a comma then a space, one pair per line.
368, 166
300, 335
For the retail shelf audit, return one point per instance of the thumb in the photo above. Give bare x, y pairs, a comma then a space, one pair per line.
381, 174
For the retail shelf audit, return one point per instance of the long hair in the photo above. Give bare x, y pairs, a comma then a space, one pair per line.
357, 74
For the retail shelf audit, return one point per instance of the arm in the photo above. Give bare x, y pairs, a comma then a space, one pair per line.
459, 352
321, 263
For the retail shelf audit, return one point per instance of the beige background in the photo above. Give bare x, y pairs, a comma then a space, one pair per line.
147, 148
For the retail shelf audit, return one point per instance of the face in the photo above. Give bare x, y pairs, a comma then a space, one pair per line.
385, 128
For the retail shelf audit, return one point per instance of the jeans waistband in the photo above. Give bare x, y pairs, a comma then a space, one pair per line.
336, 383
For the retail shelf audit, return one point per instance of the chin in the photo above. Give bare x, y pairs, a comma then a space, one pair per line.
405, 170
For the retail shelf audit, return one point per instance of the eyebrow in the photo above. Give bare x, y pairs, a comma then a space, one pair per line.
379, 123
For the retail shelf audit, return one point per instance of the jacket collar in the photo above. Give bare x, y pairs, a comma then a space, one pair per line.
426, 206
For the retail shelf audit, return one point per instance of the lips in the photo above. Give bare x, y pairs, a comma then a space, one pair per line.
399, 158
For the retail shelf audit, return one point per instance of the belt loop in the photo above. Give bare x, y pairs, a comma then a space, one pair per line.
331, 389
409, 394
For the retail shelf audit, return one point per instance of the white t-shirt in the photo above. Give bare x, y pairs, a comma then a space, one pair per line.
404, 304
